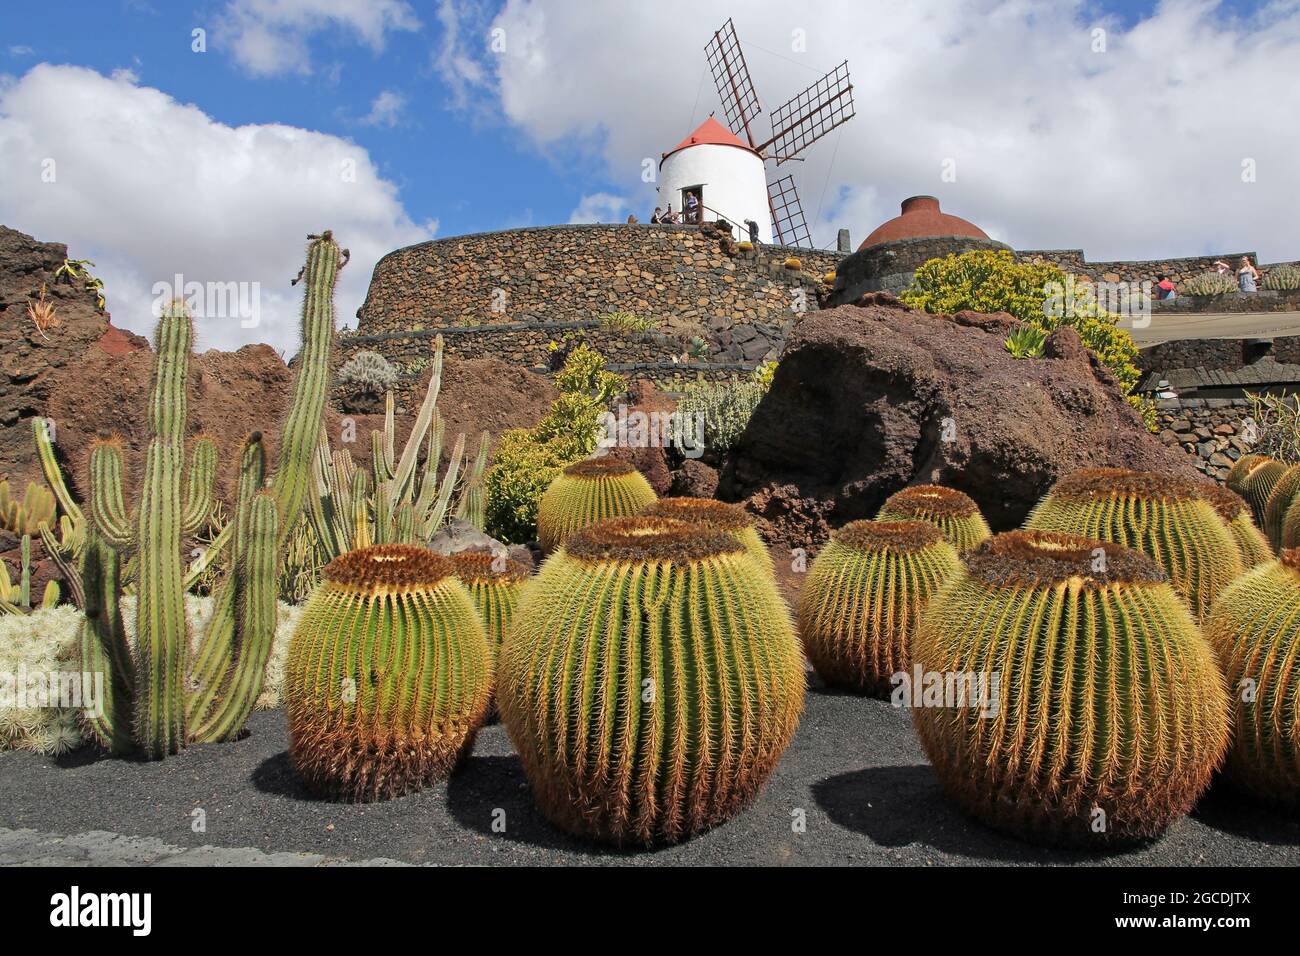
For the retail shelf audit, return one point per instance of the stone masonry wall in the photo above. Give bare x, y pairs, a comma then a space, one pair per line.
1179, 269
1212, 354
1209, 429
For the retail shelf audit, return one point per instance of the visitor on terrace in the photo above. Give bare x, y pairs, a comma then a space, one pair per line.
1222, 268
670, 216
1247, 275
657, 215
1165, 288
693, 209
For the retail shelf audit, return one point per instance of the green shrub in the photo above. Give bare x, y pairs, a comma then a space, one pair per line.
528, 459
628, 322
1282, 278
1210, 283
726, 407
993, 281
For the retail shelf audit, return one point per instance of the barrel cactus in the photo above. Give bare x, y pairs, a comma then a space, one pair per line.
953, 512
1251, 543
494, 582
1256, 483
389, 676
651, 681
1165, 517
864, 597
1285, 492
587, 492
1255, 628
1107, 713
717, 515
1240, 469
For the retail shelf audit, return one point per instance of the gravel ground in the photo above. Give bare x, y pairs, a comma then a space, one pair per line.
855, 771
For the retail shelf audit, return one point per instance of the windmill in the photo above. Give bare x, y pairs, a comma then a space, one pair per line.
795, 125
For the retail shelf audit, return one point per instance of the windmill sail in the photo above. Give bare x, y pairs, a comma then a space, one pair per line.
731, 76
788, 223
806, 118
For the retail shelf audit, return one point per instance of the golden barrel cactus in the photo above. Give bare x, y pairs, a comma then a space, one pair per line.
494, 582
1165, 517
587, 492
1255, 629
717, 515
864, 597
1232, 508
651, 680
389, 675
951, 511
1105, 713
1286, 490
1255, 483
1241, 469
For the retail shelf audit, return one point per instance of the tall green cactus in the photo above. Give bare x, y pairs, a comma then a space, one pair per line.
149, 706
398, 501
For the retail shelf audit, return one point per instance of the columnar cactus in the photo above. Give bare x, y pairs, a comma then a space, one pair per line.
389, 676
651, 680
159, 698
587, 492
951, 511
1256, 483
1107, 713
1165, 517
717, 515
1251, 543
864, 597
1255, 628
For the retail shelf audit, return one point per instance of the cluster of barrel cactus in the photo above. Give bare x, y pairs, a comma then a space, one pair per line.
717, 515
588, 492
951, 511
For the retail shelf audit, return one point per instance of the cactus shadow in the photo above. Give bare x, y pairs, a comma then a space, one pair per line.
903, 805
484, 785
275, 776
1229, 809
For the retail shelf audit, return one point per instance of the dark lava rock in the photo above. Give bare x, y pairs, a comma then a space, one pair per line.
870, 399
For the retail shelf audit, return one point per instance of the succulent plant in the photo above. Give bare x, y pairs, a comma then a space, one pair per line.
1255, 629
1282, 278
368, 371
1255, 483
793, 263
1240, 469
1251, 543
389, 675
400, 500
1165, 517
717, 515
587, 492
651, 680
864, 597
1209, 283
1107, 714
1027, 341
159, 695
494, 582
16, 598
951, 511
36, 508
1285, 491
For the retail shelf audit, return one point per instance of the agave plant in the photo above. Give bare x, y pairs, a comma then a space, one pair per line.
1026, 342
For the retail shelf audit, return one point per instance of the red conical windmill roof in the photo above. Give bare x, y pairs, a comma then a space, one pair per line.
710, 133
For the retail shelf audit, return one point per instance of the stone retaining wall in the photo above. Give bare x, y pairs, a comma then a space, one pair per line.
1213, 354
1179, 269
1211, 430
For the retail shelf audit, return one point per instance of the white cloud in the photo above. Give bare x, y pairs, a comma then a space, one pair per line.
148, 187
1129, 153
269, 37
457, 59
21, 51
386, 109
600, 207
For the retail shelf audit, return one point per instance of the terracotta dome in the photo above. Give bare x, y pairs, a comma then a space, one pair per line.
922, 218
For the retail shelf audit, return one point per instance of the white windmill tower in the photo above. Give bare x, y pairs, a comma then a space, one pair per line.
725, 170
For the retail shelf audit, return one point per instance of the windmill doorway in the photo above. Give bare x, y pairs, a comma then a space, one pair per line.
692, 214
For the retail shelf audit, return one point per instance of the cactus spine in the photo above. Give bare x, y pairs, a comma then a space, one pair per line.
1256, 483
1167, 518
148, 706
1255, 628
588, 492
1108, 714
389, 675
651, 680
717, 515
864, 597
951, 511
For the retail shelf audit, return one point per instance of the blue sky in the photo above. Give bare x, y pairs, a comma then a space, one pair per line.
216, 165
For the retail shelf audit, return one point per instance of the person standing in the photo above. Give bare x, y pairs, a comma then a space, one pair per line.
1247, 276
